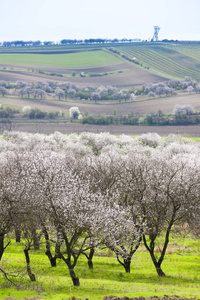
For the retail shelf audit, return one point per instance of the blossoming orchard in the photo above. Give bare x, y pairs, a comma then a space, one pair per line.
96, 190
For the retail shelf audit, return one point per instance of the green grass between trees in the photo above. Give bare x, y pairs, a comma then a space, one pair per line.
108, 277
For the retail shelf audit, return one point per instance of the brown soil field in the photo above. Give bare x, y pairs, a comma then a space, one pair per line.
166, 105
132, 75
143, 107
69, 128
51, 52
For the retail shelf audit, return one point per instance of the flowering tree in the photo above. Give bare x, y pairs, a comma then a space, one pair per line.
170, 193
120, 232
26, 109
95, 96
59, 93
183, 109
68, 202
132, 96
74, 112
3, 91
190, 89
87, 190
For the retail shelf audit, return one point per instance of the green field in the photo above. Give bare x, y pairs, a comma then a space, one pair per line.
108, 277
86, 59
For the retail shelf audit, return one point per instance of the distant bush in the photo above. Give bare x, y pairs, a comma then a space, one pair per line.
183, 109
83, 94
37, 114
53, 115
97, 74
56, 74
8, 112
108, 120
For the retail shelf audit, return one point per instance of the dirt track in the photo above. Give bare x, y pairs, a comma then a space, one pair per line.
48, 128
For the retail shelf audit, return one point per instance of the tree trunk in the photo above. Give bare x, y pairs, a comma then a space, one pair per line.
17, 234
30, 274
90, 263
36, 239
75, 279
51, 258
157, 266
1, 245
127, 265
156, 263
48, 247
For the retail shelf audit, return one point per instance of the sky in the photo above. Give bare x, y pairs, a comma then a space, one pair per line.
54, 20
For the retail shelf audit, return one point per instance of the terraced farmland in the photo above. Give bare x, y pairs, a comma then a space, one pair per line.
59, 64
159, 61
165, 59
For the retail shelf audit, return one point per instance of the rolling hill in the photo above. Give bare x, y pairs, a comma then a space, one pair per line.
134, 64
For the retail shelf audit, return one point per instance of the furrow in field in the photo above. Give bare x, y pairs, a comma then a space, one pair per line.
158, 61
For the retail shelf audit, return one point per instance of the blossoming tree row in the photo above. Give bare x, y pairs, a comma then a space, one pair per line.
81, 192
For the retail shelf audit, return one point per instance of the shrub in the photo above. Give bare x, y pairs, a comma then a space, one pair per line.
37, 114
7, 112
82, 74
150, 139
183, 109
52, 115
26, 109
74, 112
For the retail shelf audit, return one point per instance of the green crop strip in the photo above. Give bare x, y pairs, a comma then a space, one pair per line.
72, 60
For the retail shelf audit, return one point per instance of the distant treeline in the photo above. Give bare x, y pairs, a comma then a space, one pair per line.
81, 41
66, 42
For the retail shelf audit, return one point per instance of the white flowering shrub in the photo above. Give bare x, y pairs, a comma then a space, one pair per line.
132, 96
183, 109
26, 109
190, 89
150, 139
74, 112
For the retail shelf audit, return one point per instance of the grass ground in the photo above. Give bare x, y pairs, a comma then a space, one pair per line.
86, 59
108, 277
